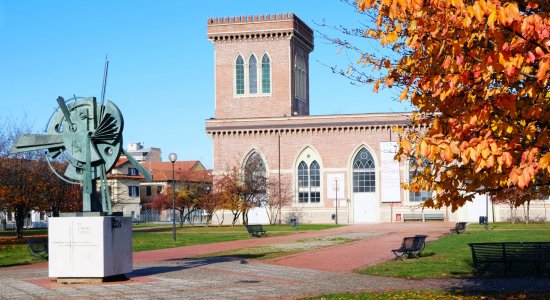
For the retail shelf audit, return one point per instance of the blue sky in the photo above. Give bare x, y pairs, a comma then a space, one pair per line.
161, 64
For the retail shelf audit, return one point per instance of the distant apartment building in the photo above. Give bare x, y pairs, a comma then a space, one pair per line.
144, 154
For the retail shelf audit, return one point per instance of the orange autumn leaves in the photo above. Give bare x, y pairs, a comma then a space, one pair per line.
477, 71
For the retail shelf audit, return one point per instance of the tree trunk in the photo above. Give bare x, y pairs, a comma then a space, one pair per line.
220, 221
20, 215
55, 211
245, 217
236, 215
528, 212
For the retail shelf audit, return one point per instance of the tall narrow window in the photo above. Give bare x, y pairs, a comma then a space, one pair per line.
315, 179
133, 172
300, 78
414, 168
303, 183
364, 176
239, 75
266, 75
133, 191
252, 75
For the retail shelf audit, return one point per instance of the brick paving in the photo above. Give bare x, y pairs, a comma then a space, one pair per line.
171, 273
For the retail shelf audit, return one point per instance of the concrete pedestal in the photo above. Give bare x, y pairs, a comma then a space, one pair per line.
89, 247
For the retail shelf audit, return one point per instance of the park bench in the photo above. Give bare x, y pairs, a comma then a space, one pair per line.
38, 247
255, 230
460, 227
510, 253
434, 217
412, 217
410, 247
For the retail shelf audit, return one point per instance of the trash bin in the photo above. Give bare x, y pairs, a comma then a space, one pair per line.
293, 222
482, 220
333, 217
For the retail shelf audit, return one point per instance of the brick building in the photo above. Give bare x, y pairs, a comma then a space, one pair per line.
262, 114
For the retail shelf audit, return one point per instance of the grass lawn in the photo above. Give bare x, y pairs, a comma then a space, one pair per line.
14, 251
451, 256
147, 237
16, 254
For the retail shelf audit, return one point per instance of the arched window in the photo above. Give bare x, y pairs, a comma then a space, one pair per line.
239, 75
364, 175
414, 168
252, 75
266, 75
255, 177
309, 182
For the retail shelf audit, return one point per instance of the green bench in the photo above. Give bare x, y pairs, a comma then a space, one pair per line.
410, 247
434, 217
256, 230
508, 254
460, 227
412, 217
38, 247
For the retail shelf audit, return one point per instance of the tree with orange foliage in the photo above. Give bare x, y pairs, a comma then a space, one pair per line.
189, 198
209, 203
477, 71
230, 189
164, 201
241, 190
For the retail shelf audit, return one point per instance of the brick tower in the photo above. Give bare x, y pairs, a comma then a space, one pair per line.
261, 66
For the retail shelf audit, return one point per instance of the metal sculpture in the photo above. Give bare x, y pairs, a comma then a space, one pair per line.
88, 135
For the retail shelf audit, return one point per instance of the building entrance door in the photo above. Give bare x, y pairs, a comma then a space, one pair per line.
364, 208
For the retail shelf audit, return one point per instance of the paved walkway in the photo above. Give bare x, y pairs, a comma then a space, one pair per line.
170, 273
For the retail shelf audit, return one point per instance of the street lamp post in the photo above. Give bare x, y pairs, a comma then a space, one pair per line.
173, 157
486, 212
336, 190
